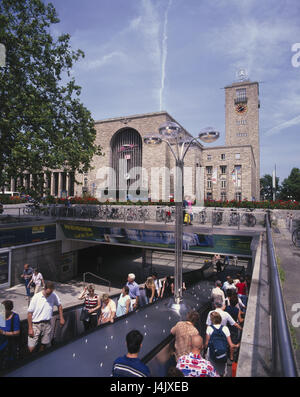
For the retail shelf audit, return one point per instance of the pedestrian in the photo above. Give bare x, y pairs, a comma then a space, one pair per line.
40, 312
236, 314
226, 261
217, 341
26, 275
183, 331
185, 212
190, 210
242, 290
123, 305
168, 287
193, 364
158, 284
36, 281
130, 365
108, 310
134, 291
150, 290
9, 336
229, 285
226, 317
217, 295
232, 292
91, 306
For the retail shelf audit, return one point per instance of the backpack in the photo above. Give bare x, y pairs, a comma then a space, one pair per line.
218, 345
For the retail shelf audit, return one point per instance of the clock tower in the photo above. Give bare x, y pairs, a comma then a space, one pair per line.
242, 120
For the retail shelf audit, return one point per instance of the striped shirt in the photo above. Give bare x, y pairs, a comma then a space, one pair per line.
91, 303
130, 367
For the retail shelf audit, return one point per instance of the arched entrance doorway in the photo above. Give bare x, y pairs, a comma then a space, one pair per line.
126, 153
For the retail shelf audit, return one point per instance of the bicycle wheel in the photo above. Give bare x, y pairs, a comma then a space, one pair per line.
252, 220
296, 237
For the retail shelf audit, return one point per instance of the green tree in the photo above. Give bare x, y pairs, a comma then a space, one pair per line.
43, 124
266, 187
291, 186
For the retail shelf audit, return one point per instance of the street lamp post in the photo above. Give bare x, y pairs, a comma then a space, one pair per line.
172, 134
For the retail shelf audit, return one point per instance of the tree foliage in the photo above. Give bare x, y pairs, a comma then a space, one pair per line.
43, 124
266, 187
290, 189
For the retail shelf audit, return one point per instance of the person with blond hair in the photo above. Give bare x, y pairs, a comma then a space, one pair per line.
216, 335
108, 310
150, 290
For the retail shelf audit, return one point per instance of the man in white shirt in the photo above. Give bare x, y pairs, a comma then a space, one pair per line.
226, 317
217, 295
39, 315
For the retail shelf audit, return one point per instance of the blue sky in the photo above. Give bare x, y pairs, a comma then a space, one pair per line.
143, 56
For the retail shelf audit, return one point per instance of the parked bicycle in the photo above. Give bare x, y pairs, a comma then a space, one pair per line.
296, 237
248, 219
202, 216
234, 218
164, 214
217, 217
32, 209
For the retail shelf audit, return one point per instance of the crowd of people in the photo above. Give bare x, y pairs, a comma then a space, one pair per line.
194, 356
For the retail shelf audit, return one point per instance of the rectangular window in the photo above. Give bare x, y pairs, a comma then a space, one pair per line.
223, 156
209, 184
241, 94
209, 170
209, 157
238, 196
237, 156
223, 196
223, 169
223, 184
209, 195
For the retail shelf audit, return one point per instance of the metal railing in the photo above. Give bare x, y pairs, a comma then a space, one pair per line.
100, 278
283, 360
209, 217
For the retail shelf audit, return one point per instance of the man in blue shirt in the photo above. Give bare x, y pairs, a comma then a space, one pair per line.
130, 365
134, 291
26, 275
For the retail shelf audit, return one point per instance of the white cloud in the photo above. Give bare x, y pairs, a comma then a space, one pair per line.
104, 60
283, 126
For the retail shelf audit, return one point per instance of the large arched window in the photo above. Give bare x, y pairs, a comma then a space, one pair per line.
126, 145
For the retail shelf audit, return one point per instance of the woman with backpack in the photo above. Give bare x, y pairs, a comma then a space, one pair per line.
217, 341
9, 336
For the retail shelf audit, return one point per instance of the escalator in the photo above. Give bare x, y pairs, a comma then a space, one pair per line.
76, 353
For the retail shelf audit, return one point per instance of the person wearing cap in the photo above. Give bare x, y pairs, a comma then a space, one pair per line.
217, 295
134, 291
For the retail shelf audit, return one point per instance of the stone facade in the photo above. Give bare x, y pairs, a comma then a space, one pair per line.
230, 172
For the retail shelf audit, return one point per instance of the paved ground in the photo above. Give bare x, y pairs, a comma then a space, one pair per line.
289, 261
68, 294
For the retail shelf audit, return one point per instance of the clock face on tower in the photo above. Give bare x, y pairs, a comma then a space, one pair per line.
241, 108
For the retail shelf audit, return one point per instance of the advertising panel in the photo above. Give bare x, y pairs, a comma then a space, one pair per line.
237, 245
